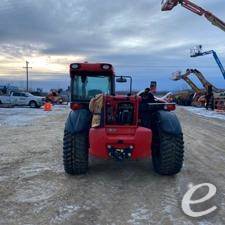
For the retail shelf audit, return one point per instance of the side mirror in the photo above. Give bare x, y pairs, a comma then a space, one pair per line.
121, 80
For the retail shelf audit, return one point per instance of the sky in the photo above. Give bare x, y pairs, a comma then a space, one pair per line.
135, 36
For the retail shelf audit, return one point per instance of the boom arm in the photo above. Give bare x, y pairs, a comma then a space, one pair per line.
218, 63
200, 77
187, 80
191, 84
197, 51
170, 4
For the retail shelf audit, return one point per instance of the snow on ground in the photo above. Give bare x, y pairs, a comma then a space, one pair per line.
21, 116
205, 113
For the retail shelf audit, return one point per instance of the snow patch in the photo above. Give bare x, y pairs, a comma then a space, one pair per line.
139, 216
35, 191
205, 113
33, 170
64, 213
24, 116
3, 178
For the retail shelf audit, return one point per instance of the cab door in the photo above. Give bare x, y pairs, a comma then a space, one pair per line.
18, 98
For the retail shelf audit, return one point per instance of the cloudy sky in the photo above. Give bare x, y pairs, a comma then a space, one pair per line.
135, 36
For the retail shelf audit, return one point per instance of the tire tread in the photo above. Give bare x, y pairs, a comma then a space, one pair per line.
171, 154
75, 153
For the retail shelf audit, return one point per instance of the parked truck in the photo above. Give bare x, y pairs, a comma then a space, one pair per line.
22, 99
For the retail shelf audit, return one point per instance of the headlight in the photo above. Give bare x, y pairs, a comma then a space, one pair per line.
75, 66
106, 67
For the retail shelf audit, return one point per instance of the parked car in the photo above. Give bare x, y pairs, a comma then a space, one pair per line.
22, 99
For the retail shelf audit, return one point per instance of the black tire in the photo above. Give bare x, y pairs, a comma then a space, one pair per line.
0, 102
33, 104
168, 153
75, 153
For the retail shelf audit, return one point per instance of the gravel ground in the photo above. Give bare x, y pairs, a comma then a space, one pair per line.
35, 190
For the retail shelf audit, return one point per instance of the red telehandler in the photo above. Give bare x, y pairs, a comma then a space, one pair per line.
111, 126
168, 5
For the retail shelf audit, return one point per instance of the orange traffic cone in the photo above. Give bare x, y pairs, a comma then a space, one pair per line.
47, 106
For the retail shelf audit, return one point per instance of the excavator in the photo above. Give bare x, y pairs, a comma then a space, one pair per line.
168, 5
199, 96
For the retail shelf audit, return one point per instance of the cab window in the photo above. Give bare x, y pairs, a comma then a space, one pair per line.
86, 87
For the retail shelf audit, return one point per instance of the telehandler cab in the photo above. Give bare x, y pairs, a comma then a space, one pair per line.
127, 127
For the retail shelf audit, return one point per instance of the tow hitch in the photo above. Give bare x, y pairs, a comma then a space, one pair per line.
120, 153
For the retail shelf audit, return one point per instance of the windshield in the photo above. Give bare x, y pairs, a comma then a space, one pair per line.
28, 94
86, 87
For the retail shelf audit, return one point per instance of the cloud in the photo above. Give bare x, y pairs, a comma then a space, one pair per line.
51, 34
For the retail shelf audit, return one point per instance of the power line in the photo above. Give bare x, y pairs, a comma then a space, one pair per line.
27, 71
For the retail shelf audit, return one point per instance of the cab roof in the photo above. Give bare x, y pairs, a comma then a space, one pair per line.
91, 68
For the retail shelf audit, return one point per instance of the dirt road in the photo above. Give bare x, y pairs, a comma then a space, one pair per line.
35, 190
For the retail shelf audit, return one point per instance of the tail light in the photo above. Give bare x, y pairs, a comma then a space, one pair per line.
170, 107
75, 106
161, 106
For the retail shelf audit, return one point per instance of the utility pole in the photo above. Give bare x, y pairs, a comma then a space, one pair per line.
27, 68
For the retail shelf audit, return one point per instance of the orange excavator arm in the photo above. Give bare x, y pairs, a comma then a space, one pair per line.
168, 5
